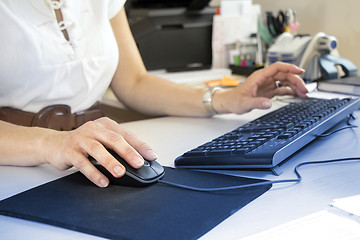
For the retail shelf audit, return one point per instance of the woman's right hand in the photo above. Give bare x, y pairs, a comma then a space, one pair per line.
72, 148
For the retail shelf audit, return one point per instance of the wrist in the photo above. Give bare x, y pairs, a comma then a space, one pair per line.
49, 142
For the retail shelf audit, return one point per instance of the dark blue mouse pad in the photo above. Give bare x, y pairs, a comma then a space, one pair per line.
158, 211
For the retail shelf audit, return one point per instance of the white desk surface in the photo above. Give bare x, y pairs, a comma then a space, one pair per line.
172, 136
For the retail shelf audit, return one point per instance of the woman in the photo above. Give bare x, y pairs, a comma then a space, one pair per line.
68, 52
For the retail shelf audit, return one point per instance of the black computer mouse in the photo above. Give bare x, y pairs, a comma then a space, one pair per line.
148, 174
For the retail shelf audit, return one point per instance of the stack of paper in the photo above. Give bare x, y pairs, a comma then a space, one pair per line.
320, 225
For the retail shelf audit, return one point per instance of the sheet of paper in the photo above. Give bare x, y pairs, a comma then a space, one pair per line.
326, 95
320, 225
348, 207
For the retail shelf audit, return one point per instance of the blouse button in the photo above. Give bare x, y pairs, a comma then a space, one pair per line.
55, 4
64, 24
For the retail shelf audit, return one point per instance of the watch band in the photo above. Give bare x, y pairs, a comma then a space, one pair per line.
207, 100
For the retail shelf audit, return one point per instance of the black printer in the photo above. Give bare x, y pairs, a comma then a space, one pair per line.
172, 35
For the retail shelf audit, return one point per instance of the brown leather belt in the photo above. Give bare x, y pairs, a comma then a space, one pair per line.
58, 117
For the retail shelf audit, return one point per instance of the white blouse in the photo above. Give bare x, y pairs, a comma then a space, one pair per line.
39, 67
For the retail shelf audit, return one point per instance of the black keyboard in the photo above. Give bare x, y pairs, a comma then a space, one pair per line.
268, 140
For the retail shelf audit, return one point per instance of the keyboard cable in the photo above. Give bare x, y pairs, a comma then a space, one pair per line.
269, 182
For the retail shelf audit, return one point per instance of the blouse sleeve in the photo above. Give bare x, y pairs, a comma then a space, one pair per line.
114, 7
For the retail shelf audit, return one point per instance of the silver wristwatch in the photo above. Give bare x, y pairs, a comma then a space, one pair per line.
207, 100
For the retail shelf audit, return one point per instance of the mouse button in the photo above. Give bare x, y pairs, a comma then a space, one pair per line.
145, 173
157, 167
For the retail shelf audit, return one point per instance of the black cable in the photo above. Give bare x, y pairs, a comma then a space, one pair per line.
337, 130
351, 116
295, 180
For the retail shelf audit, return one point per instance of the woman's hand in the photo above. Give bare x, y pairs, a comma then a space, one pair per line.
257, 90
67, 149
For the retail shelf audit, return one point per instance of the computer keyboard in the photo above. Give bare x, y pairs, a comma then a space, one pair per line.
268, 140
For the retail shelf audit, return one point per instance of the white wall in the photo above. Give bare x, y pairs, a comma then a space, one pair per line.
340, 18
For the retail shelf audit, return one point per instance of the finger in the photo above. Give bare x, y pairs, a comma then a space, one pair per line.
89, 170
282, 91
144, 149
117, 143
281, 67
98, 152
253, 103
295, 82
261, 103
290, 77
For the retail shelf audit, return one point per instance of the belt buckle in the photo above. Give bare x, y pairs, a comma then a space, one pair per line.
56, 117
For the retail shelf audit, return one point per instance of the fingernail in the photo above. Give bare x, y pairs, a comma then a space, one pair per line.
138, 161
152, 155
103, 183
301, 69
266, 104
119, 171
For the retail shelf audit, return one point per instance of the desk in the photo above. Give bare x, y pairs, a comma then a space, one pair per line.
171, 136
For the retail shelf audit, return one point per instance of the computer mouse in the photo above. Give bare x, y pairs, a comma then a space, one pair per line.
148, 174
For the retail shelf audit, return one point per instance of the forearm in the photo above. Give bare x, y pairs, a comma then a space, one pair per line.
21, 146
156, 96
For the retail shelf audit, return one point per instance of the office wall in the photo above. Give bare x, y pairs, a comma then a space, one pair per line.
338, 18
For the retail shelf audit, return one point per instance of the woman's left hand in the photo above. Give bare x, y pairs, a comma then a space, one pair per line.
278, 79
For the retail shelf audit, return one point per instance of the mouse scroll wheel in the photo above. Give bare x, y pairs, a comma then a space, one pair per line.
146, 164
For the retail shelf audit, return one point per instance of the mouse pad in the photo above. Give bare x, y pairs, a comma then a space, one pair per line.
158, 211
